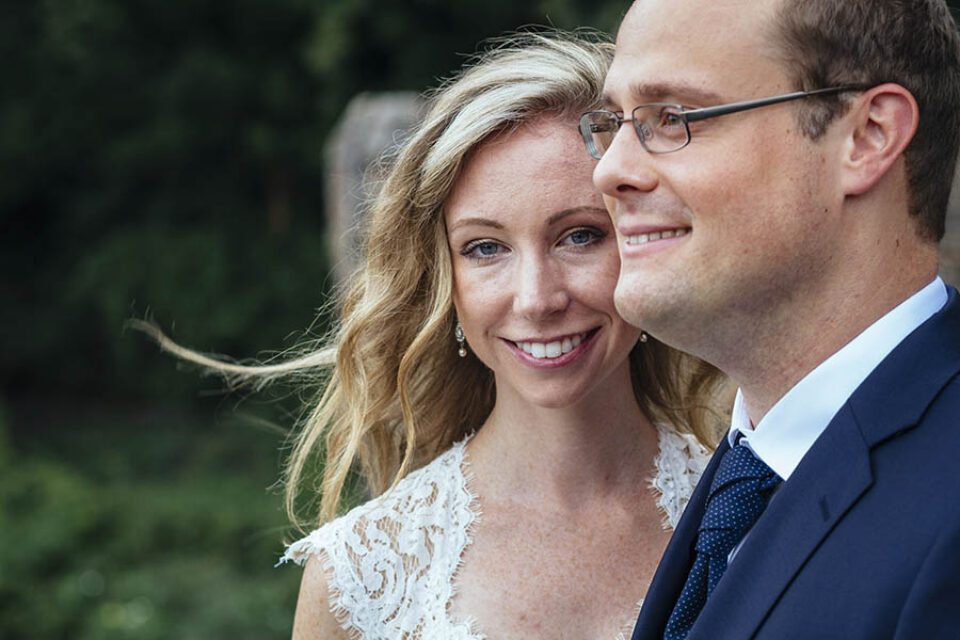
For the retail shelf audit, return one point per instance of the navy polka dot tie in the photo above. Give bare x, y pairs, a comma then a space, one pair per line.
737, 497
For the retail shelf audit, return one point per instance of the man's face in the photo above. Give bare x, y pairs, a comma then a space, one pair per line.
749, 207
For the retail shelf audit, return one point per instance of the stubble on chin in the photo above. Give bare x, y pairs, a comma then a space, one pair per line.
635, 304
660, 310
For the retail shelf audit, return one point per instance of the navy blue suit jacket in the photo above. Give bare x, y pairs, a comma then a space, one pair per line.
863, 540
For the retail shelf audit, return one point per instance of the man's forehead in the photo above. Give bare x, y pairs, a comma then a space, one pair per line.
705, 23
682, 11
691, 48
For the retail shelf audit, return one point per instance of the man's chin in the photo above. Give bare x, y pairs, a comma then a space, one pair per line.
635, 304
655, 307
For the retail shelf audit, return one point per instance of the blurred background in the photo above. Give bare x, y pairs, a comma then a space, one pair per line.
166, 159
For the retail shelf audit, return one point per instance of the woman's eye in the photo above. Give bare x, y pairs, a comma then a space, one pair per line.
481, 249
582, 237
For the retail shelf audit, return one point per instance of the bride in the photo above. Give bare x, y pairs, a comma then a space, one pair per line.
529, 451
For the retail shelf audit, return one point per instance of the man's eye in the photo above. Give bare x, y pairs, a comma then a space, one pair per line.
670, 119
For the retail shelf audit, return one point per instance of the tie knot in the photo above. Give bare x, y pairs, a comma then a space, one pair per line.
738, 495
740, 465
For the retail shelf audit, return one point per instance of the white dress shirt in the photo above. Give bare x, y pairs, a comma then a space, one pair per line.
794, 423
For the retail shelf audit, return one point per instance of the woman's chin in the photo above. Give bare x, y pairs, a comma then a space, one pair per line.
555, 398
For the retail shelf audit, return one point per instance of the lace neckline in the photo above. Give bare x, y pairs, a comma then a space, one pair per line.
392, 563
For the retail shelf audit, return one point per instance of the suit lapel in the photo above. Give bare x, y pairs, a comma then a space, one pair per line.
832, 476
675, 564
799, 516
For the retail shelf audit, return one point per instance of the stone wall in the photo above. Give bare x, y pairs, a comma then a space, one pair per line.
371, 125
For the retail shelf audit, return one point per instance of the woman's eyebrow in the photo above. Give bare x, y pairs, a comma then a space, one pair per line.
483, 222
487, 222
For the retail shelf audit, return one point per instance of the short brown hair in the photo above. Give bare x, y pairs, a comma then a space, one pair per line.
913, 43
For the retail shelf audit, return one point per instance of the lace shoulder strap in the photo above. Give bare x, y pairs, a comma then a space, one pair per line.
390, 562
679, 464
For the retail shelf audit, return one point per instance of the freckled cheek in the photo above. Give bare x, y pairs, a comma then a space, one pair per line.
482, 301
596, 285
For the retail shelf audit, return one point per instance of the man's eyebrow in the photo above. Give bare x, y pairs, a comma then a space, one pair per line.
667, 91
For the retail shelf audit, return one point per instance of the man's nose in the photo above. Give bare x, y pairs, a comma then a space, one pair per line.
541, 289
626, 167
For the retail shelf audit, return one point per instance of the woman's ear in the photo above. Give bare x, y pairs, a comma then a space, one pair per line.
884, 119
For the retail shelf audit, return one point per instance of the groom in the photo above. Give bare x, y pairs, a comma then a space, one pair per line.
792, 242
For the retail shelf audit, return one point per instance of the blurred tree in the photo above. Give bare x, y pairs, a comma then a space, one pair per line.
166, 156
154, 154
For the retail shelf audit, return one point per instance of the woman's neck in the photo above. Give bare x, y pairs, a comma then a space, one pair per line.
598, 449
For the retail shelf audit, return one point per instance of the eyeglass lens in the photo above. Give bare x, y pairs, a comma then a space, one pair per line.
660, 127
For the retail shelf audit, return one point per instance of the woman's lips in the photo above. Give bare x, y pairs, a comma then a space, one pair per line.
554, 352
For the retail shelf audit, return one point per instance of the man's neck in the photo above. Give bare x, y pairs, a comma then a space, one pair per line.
776, 360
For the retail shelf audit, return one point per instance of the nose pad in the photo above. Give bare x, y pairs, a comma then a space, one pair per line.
644, 130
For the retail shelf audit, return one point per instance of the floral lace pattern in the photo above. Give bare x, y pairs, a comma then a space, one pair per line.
680, 463
391, 562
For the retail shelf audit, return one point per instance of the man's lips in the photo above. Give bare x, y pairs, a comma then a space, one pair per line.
653, 236
639, 234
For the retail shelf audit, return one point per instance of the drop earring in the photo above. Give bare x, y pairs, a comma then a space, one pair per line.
461, 340
643, 336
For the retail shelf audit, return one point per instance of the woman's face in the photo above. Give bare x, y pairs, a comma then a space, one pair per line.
535, 265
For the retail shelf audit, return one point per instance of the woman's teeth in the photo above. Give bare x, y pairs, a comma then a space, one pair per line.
644, 238
551, 349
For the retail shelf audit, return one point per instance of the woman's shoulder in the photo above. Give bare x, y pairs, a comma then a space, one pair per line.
435, 492
389, 562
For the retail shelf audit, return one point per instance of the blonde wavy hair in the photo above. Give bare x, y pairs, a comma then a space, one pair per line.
397, 394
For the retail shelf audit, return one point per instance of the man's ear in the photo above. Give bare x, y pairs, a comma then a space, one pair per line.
884, 119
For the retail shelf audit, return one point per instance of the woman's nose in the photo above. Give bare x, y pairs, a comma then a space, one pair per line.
540, 289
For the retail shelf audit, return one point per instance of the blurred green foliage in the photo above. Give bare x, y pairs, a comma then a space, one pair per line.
125, 524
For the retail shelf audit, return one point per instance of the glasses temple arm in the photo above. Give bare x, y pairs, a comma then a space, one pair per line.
734, 107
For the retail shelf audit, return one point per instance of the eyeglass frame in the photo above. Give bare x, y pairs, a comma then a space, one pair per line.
695, 115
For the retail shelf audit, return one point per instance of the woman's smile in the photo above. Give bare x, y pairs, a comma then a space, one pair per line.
553, 352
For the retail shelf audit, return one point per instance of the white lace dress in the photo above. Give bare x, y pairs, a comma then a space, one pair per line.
391, 562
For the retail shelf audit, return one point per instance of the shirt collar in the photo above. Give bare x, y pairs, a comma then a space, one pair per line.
793, 424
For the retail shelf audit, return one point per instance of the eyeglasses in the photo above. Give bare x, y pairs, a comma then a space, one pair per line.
664, 127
